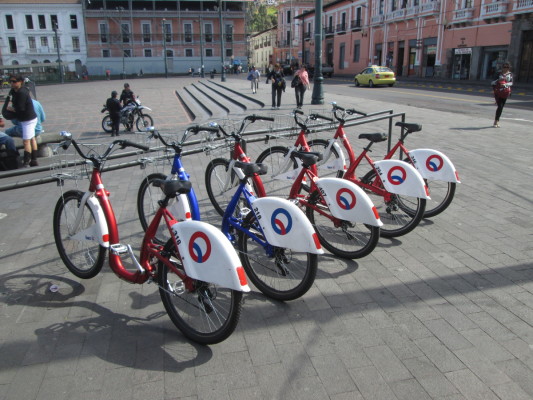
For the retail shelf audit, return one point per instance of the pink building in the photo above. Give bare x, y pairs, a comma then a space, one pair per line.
463, 39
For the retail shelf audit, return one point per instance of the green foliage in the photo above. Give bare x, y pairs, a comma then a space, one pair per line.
262, 17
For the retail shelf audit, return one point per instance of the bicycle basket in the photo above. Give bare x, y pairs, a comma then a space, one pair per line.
67, 164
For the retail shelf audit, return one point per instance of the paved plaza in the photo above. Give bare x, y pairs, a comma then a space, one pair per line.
445, 312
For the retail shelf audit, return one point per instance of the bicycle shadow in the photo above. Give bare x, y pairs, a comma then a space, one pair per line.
146, 343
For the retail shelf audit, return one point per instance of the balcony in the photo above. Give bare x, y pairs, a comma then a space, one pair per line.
43, 50
356, 25
522, 6
466, 15
329, 30
431, 8
377, 19
411, 12
341, 28
395, 15
496, 10
307, 35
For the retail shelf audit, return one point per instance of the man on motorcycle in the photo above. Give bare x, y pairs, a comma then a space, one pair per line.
127, 100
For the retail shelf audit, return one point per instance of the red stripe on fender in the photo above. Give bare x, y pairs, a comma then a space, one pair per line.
317, 242
105, 238
242, 276
375, 210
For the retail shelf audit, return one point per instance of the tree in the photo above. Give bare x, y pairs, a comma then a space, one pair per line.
262, 17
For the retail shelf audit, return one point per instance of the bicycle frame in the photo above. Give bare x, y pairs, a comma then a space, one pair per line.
179, 171
238, 154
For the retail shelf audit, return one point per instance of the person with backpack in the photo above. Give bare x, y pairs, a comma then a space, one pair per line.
278, 85
502, 90
300, 83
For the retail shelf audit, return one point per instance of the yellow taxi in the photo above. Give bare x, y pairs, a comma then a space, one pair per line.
375, 75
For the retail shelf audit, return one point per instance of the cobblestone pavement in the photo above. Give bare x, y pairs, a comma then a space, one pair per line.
444, 312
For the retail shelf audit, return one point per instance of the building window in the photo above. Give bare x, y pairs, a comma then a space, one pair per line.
103, 33
468, 3
53, 20
229, 52
42, 21
208, 33
209, 52
148, 52
170, 53
188, 52
146, 33
168, 32
127, 53
356, 50
229, 33
125, 31
73, 22
44, 41
29, 22
12, 45
57, 42
288, 16
106, 53
9, 22
75, 43
187, 29
31, 42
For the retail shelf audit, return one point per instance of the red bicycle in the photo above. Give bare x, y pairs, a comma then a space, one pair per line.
199, 275
394, 179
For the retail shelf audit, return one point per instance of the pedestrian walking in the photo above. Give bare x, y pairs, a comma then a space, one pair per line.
113, 107
502, 90
278, 85
253, 77
300, 83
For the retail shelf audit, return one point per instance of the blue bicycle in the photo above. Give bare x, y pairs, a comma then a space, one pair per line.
276, 242
185, 205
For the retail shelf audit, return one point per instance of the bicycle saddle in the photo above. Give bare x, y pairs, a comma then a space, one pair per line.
409, 127
170, 188
250, 169
308, 157
374, 137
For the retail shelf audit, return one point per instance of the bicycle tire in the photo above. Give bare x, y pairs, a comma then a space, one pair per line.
274, 158
148, 197
441, 194
320, 145
280, 282
144, 121
347, 240
82, 257
397, 216
106, 124
208, 314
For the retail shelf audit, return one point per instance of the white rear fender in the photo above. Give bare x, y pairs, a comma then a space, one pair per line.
332, 163
285, 225
348, 202
401, 178
434, 165
97, 232
208, 255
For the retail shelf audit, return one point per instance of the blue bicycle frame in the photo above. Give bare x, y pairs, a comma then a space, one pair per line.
229, 221
179, 170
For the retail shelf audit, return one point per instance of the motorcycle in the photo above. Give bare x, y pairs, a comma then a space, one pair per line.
132, 112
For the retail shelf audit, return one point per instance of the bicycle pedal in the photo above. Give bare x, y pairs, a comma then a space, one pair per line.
118, 249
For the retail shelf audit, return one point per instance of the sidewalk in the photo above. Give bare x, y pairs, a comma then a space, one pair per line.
445, 312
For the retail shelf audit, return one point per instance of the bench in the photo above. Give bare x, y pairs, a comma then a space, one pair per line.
43, 140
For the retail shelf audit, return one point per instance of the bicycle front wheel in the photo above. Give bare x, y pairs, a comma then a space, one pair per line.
277, 181
342, 238
282, 275
205, 313
144, 121
81, 252
399, 214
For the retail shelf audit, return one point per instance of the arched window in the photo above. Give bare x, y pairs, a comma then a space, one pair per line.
14, 62
34, 62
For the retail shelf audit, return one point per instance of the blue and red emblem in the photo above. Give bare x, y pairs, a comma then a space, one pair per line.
281, 221
346, 199
199, 247
434, 163
397, 175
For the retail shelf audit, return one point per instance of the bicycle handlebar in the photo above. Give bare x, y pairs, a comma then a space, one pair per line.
252, 118
349, 111
318, 116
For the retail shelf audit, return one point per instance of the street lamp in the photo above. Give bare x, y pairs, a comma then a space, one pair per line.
318, 94
223, 74
54, 28
164, 45
202, 74
120, 10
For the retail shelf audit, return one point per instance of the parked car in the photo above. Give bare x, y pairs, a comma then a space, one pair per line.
375, 75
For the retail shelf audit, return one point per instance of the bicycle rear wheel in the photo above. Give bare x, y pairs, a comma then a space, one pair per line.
147, 205
284, 275
343, 238
273, 181
400, 215
207, 313
83, 257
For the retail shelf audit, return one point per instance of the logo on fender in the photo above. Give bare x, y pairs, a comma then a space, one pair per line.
346, 199
281, 221
434, 163
199, 247
397, 175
